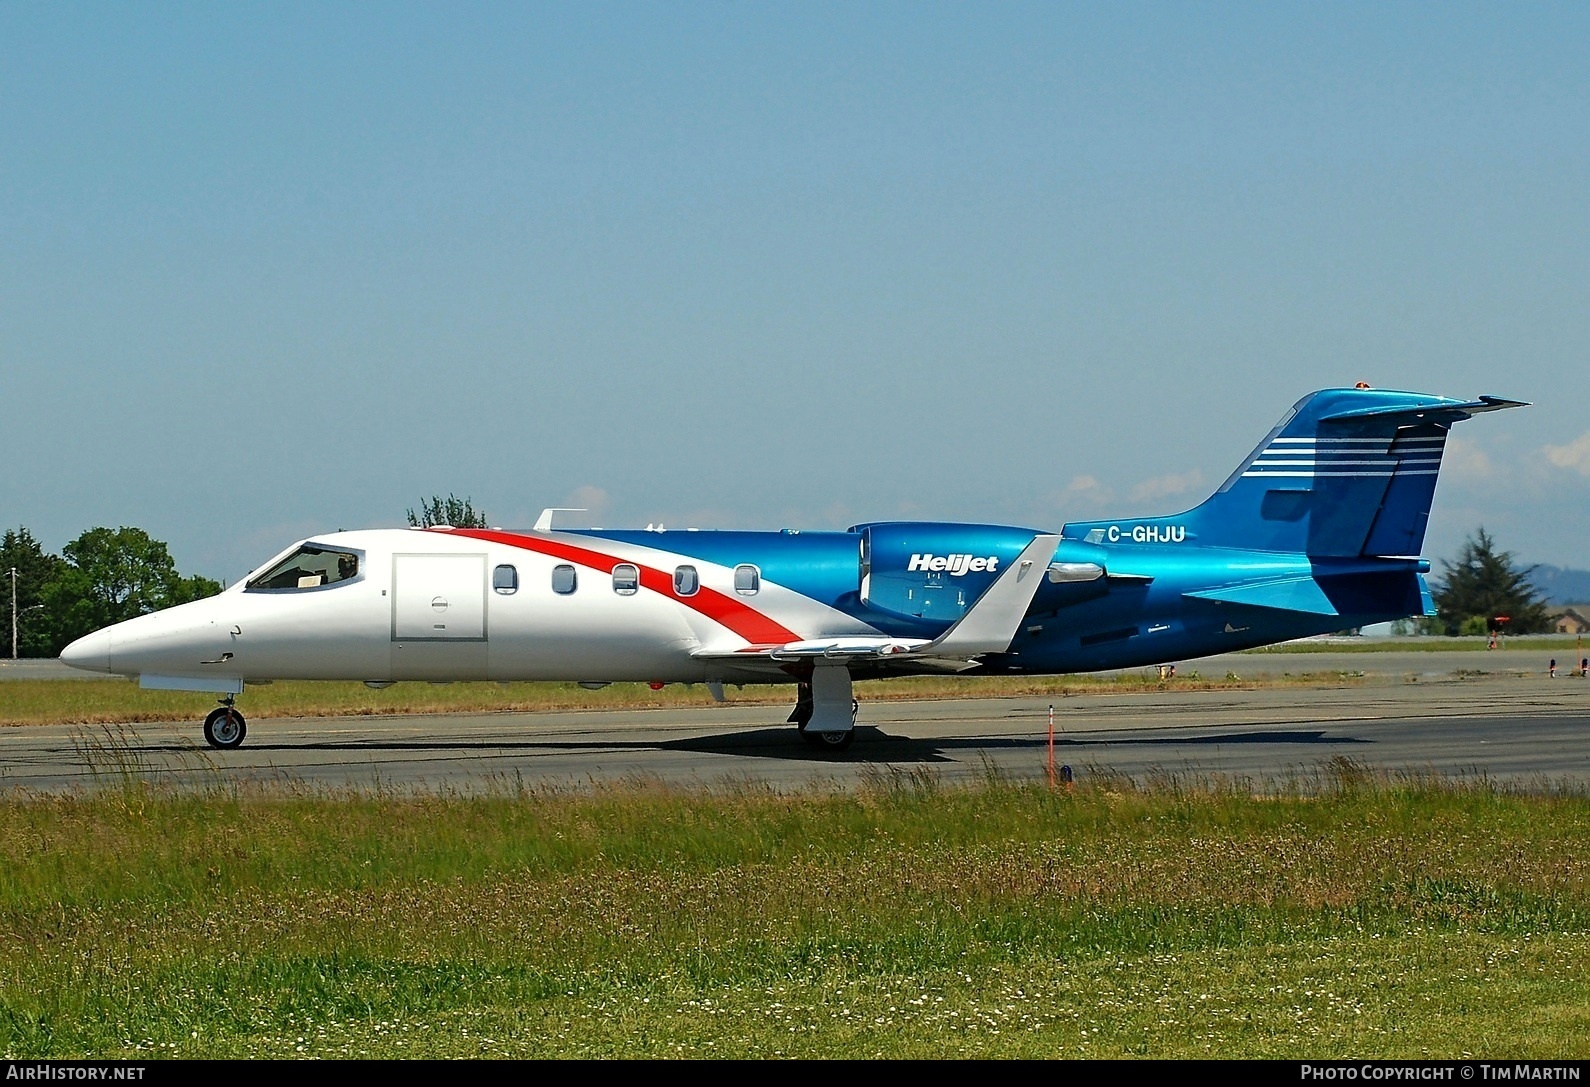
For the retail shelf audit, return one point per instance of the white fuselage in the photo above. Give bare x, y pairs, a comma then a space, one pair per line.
435, 605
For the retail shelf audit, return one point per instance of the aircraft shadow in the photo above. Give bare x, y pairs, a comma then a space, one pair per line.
875, 745
871, 745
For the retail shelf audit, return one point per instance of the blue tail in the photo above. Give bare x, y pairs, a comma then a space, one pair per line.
1347, 473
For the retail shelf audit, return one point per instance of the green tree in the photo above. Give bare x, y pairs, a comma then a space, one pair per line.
452, 510
110, 575
35, 568
190, 588
1480, 586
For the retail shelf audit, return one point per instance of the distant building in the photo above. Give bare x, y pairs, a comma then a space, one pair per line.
1569, 621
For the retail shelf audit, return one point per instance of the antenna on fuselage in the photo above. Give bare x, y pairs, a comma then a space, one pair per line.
544, 522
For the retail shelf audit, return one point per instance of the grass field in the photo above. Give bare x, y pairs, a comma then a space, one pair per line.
1346, 915
1343, 916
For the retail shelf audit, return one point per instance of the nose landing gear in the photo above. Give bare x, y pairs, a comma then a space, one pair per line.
225, 727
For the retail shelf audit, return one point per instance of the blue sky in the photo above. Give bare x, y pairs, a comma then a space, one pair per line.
274, 269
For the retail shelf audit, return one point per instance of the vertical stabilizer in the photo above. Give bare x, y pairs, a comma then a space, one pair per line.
1347, 472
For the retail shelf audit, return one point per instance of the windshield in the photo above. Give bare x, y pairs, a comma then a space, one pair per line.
309, 567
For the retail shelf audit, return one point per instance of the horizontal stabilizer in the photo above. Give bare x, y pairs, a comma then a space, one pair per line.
1286, 594
1443, 413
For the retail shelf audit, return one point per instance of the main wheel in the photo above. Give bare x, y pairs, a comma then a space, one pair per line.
830, 741
224, 728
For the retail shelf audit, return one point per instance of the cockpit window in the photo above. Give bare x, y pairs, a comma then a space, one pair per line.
308, 568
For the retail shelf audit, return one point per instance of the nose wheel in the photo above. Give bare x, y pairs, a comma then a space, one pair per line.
225, 727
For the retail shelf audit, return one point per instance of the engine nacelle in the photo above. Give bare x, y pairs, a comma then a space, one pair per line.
933, 570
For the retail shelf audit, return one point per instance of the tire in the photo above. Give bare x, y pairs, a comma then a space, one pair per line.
224, 728
830, 741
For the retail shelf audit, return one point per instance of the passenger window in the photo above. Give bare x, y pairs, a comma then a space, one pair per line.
626, 579
747, 579
505, 579
563, 579
308, 568
686, 581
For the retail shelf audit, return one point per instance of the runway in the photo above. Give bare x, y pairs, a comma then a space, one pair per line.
1511, 726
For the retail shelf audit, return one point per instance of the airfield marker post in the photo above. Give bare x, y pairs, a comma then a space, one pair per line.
1051, 745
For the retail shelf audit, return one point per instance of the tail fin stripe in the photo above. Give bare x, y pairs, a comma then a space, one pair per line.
1258, 472
1383, 449
1422, 462
1356, 441
1339, 454
1337, 475
1344, 462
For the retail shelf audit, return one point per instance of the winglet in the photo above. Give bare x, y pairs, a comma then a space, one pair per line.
991, 624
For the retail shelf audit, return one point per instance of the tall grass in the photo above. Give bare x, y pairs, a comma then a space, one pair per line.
1344, 914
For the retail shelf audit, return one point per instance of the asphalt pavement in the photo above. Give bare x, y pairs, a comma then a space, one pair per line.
1406, 714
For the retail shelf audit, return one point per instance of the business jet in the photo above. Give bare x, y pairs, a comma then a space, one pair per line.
1319, 529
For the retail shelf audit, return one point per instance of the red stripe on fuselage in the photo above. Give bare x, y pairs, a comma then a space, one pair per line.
733, 614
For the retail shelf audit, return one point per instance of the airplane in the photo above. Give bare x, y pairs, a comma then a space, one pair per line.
1318, 530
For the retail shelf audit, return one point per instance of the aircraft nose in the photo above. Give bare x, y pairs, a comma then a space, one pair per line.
91, 652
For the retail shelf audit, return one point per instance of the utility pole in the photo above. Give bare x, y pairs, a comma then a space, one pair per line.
13, 613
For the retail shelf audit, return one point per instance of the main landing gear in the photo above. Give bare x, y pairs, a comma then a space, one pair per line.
225, 727
825, 710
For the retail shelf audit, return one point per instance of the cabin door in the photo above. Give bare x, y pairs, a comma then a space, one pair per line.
438, 617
